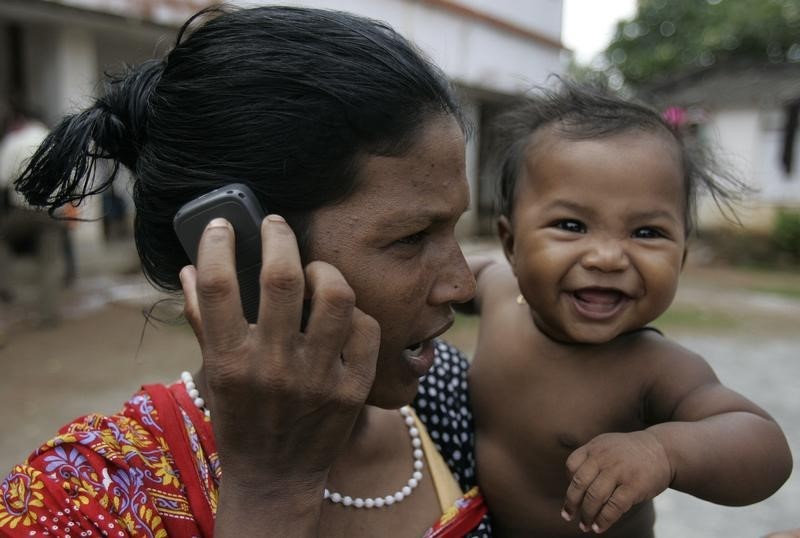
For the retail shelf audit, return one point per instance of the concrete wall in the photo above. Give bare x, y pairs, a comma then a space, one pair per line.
750, 141
778, 186
490, 49
543, 16
475, 50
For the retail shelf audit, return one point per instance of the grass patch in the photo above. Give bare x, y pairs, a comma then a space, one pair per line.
789, 291
464, 332
690, 317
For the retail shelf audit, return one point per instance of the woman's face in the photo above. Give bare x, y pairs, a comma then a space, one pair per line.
393, 240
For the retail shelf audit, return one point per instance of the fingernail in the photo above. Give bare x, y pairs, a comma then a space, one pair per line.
275, 218
565, 515
596, 528
219, 223
583, 527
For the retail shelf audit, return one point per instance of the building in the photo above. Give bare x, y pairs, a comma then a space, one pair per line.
55, 52
749, 113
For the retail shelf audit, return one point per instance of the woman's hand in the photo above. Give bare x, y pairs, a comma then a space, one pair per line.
283, 401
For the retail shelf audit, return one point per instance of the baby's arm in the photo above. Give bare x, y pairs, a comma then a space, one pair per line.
492, 276
721, 446
707, 440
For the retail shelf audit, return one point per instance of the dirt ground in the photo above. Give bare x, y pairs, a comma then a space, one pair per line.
744, 322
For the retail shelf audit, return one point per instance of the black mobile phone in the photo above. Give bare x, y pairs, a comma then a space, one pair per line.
237, 204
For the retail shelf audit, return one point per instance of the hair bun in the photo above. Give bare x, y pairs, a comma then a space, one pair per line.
122, 130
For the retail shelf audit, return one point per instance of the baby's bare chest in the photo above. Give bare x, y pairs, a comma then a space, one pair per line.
555, 404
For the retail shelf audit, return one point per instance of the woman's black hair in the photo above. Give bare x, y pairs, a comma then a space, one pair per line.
579, 112
287, 100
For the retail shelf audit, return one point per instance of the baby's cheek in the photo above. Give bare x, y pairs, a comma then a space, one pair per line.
662, 295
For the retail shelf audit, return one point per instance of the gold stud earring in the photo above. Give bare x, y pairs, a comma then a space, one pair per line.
521, 299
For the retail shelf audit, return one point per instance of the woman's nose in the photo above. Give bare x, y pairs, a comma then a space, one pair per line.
607, 255
455, 282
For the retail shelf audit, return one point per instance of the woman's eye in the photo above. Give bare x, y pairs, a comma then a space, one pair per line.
574, 226
647, 233
412, 239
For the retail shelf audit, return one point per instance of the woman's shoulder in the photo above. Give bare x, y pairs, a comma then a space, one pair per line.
443, 405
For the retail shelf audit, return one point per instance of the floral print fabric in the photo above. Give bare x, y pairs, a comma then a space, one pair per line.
149, 471
116, 476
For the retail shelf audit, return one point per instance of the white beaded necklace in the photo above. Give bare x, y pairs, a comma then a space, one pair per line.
334, 496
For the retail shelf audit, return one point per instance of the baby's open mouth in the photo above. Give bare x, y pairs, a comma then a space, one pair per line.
599, 301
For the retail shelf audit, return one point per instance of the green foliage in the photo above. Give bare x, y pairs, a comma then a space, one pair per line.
786, 233
668, 37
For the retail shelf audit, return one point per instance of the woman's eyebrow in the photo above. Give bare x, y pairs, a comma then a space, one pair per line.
421, 219
406, 222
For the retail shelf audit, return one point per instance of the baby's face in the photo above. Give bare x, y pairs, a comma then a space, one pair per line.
597, 236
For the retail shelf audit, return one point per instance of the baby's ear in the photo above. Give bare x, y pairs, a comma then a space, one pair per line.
506, 234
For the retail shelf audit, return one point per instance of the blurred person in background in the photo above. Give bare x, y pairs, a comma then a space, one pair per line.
26, 232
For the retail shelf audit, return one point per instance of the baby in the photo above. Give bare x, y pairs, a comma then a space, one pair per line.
583, 412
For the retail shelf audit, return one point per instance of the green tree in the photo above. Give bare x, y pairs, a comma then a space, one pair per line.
668, 37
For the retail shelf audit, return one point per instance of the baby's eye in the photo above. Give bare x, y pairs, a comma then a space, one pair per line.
647, 233
412, 239
569, 225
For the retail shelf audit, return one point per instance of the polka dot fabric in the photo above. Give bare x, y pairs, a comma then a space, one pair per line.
442, 404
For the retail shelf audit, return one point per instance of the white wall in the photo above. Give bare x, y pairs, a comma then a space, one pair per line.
470, 51
68, 49
543, 16
778, 187
750, 141
736, 132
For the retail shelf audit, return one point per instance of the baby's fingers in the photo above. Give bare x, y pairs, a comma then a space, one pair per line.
615, 507
583, 472
595, 498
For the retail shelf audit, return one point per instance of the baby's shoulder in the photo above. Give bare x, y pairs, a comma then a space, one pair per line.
652, 344
668, 367
496, 283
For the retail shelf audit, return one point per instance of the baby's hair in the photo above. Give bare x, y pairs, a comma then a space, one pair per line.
582, 112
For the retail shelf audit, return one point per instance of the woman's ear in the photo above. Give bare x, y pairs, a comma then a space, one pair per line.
506, 234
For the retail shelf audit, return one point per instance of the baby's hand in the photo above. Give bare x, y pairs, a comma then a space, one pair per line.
610, 474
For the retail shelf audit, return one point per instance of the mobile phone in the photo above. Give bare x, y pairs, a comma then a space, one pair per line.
237, 204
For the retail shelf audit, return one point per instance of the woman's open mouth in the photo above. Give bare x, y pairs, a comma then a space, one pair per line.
419, 357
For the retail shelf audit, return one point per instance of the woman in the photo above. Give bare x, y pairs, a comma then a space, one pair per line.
355, 145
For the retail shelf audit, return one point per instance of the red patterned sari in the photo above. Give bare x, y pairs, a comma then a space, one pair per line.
151, 470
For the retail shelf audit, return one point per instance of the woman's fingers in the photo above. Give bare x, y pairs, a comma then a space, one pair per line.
191, 309
282, 283
331, 313
360, 354
223, 325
